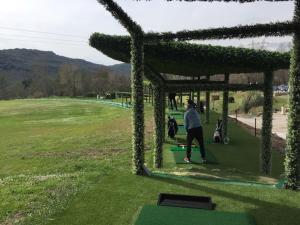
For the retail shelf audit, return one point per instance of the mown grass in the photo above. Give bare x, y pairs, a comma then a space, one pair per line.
67, 161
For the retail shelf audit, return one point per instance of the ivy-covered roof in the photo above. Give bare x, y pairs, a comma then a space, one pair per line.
188, 59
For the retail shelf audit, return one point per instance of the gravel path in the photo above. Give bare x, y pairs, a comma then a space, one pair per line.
279, 123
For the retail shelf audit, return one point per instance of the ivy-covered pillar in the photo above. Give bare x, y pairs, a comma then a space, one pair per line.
163, 120
137, 70
266, 131
292, 155
159, 125
225, 108
207, 100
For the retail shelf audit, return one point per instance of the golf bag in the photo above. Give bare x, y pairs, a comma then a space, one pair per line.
172, 127
218, 132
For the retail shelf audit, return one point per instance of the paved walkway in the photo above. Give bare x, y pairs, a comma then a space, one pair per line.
279, 123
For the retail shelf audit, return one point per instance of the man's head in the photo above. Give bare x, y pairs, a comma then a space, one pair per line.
190, 104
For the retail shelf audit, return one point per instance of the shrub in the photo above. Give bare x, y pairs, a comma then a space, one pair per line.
231, 100
252, 100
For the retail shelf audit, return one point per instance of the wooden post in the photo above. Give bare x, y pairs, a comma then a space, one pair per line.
225, 108
255, 127
207, 103
181, 99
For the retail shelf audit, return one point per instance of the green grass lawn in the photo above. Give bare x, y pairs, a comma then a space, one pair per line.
68, 161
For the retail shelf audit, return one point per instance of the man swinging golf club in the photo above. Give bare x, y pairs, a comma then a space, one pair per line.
192, 124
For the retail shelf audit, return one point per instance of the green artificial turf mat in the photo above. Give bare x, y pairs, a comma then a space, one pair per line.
162, 215
177, 148
181, 130
281, 183
179, 153
212, 179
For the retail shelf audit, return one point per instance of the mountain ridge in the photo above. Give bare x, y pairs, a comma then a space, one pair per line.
20, 63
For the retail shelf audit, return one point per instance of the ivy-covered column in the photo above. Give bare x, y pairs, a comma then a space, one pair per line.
163, 119
137, 70
207, 100
292, 155
266, 131
225, 108
159, 125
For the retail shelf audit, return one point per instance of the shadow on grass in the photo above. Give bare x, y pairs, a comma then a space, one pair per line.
265, 212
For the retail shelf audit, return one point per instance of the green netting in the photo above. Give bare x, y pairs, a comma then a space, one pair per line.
162, 215
179, 153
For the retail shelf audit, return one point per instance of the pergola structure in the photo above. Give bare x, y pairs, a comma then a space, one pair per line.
151, 54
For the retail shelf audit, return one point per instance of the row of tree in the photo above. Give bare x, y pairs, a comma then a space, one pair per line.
70, 81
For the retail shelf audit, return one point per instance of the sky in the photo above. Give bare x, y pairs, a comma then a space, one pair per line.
64, 26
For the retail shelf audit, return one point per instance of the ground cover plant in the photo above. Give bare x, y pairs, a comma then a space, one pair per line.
68, 161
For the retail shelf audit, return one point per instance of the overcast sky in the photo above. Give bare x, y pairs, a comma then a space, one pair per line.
76, 20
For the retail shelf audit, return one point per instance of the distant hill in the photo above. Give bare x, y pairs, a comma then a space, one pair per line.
123, 68
20, 64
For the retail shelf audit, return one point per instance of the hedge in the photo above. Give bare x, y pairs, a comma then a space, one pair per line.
191, 59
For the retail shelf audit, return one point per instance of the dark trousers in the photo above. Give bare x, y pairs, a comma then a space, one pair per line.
191, 135
173, 101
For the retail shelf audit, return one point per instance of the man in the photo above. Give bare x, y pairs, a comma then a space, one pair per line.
172, 100
192, 124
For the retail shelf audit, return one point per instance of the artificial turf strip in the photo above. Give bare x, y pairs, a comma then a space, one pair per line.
163, 215
179, 153
181, 130
281, 184
178, 148
213, 179
174, 113
117, 104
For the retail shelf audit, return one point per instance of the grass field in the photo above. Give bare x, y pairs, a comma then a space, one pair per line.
68, 161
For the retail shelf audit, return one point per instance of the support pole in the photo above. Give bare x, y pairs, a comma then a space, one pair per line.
225, 108
159, 125
137, 72
198, 101
181, 99
207, 102
163, 121
266, 131
152, 97
137, 65
292, 156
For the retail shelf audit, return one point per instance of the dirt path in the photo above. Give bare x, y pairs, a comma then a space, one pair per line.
279, 129
279, 123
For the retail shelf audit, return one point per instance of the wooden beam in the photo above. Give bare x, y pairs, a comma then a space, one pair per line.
213, 87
